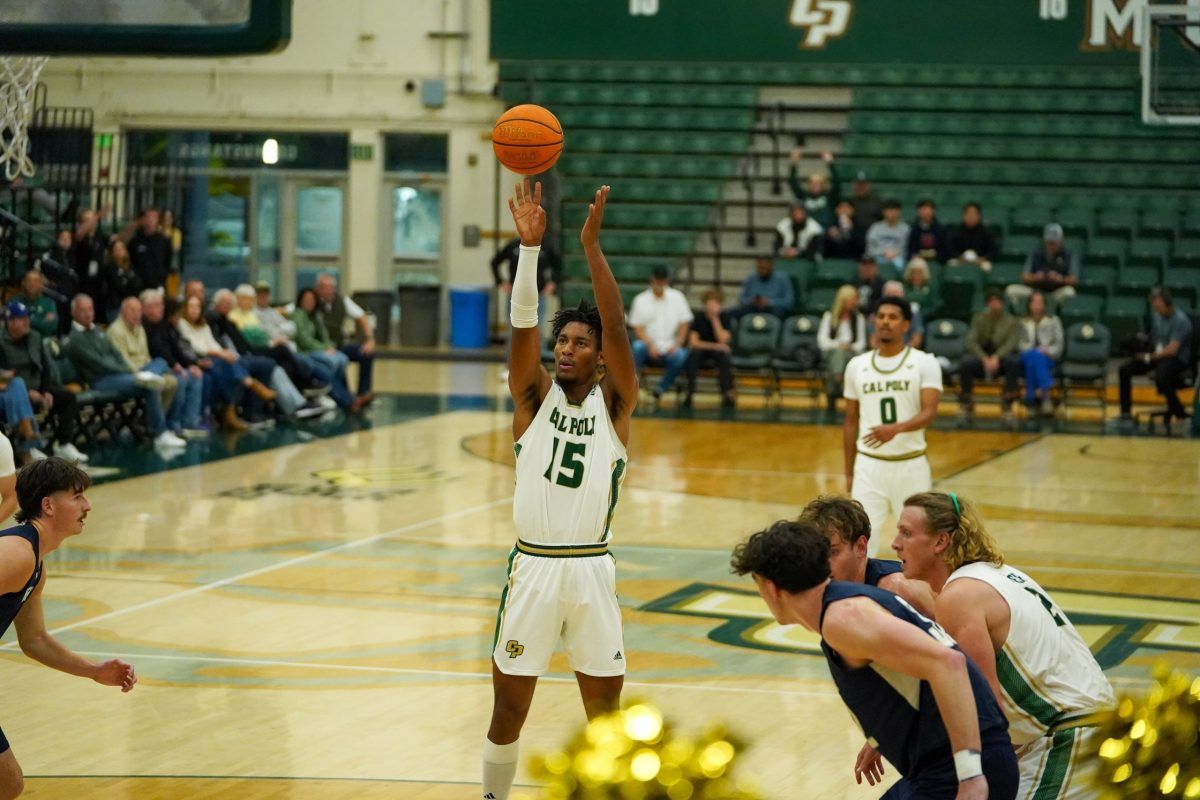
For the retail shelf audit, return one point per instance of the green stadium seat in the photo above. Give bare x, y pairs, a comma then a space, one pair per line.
1076, 221
1020, 245
1158, 225
1149, 253
1003, 274
1137, 281
1085, 360
1097, 280
798, 330
1081, 308
754, 346
1184, 282
1029, 220
961, 291
1187, 253
946, 338
799, 273
1190, 224
1117, 222
833, 273
1124, 316
1108, 251
819, 300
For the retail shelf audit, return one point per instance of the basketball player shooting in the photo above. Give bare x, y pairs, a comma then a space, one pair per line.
892, 395
570, 433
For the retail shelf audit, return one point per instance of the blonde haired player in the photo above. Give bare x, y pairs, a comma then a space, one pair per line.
892, 395
1041, 670
570, 434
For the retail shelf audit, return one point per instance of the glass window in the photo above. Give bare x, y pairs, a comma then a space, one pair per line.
266, 229
415, 152
226, 222
416, 222
319, 220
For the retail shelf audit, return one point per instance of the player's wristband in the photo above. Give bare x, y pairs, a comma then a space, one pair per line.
968, 764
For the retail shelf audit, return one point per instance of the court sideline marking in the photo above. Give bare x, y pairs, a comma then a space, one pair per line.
271, 568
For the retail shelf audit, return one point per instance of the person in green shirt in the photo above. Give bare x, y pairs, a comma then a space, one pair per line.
43, 311
992, 351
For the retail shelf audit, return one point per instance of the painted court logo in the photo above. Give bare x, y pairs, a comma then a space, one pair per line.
823, 19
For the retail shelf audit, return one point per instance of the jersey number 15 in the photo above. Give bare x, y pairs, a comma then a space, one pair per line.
570, 473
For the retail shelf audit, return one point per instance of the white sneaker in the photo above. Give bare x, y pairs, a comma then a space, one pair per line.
35, 454
148, 379
168, 439
326, 402
309, 409
71, 453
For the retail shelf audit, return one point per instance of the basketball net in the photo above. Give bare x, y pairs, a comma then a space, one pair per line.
18, 80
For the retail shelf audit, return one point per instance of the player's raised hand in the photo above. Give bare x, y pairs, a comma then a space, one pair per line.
528, 214
116, 673
870, 764
590, 235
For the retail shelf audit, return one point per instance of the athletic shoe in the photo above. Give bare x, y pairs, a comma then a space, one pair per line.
148, 380
326, 402
71, 453
195, 433
308, 410
168, 439
318, 390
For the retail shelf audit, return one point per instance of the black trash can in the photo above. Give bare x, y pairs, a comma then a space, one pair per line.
420, 310
378, 303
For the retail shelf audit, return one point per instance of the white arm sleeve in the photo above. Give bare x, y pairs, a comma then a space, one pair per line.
930, 371
523, 306
850, 382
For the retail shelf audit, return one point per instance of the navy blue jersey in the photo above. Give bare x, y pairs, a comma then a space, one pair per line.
878, 568
897, 712
10, 604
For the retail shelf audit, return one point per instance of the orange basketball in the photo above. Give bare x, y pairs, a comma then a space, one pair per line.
527, 139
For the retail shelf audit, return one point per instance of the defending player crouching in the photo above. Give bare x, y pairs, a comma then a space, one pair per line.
570, 434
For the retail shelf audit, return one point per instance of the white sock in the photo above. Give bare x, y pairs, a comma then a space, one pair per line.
499, 769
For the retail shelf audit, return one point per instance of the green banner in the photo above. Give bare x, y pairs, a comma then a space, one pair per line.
992, 32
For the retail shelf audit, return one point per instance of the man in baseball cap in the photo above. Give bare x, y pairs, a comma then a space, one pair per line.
1051, 269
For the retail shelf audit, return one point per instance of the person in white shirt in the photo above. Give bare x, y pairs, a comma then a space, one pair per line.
661, 319
8, 479
841, 335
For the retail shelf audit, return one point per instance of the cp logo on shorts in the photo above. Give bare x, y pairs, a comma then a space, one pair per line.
514, 648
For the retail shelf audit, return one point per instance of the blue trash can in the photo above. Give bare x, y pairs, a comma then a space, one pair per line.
469, 316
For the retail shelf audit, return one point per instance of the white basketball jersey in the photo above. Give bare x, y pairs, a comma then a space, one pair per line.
889, 390
570, 465
1048, 674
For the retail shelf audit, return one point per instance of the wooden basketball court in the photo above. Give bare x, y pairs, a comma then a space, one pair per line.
315, 619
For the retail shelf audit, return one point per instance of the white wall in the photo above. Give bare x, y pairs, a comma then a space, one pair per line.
345, 69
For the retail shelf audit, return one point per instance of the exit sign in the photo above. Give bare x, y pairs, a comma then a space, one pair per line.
362, 152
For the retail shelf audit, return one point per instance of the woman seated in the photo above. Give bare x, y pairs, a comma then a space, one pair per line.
841, 336
312, 339
1042, 343
229, 378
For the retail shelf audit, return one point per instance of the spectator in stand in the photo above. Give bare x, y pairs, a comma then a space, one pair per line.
868, 207
1171, 335
102, 367
887, 240
195, 288
992, 344
150, 250
708, 345
919, 289
313, 341
870, 284
22, 351
927, 237
916, 330
89, 248
843, 238
164, 342
841, 336
766, 290
229, 376
121, 280
43, 311
183, 394
1051, 269
972, 242
57, 265
265, 364
798, 235
818, 195
548, 271
335, 308
1042, 343
661, 321
175, 237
